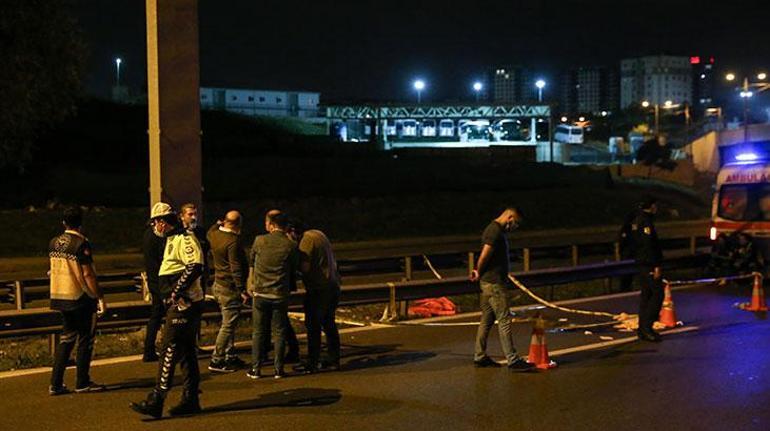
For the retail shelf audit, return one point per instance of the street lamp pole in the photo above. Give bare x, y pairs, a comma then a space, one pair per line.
745, 94
540, 84
117, 66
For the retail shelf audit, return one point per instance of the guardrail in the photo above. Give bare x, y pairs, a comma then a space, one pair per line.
43, 321
397, 256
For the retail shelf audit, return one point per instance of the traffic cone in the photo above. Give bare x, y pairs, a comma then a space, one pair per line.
667, 315
538, 350
757, 296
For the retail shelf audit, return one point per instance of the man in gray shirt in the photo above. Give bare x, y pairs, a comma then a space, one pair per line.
275, 262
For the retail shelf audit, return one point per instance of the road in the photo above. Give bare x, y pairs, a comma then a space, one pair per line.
713, 373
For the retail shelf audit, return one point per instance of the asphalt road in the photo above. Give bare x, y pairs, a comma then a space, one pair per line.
713, 374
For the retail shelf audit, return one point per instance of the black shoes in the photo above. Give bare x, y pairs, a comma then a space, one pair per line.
235, 362
650, 336
91, 387
279, 374
487, 362
57, 390
221, 367
254, 373
519, 365
189, 405
152, 406
307, 368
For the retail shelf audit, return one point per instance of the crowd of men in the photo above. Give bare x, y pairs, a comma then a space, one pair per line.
178, 253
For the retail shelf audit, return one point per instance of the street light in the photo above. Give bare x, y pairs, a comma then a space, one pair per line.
117, 66
746, 93
419, 85
540, 84
477, 87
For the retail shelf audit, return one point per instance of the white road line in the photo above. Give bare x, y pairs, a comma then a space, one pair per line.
372, 327
603, 344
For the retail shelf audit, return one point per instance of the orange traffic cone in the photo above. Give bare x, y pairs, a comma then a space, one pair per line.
757, 296
538, 350
667, 315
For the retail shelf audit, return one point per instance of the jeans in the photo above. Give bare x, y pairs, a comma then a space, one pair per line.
157, 311
650, 299
230, 304
79, 326
494, 305
179, 346
320, 307
267, 313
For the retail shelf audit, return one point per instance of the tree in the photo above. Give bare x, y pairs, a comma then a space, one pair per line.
42, 56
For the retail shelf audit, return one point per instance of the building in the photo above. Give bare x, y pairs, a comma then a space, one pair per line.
512, 85
589, 90
261, 102
703, 80
656, 79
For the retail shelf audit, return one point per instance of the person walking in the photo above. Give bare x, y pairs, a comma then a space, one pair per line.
491, 271
75, 293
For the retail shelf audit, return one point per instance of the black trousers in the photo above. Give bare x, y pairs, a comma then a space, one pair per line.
320, 308
79, 327
650, 298
157, 312
179, 347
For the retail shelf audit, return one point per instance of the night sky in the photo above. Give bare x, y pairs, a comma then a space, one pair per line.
372, 50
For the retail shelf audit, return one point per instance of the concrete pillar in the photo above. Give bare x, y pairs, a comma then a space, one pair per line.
533, 130
174, 102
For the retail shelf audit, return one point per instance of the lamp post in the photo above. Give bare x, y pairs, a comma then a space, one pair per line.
540, 84
646, 104
117, 68
477, 87
746, 94
419, 85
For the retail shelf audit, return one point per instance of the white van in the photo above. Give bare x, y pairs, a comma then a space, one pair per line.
568, 134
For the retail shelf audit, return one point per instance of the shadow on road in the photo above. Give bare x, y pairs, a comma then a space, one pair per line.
380, 356
303, 397
147, 383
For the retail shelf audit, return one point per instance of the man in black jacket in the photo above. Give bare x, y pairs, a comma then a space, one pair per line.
649, 258
153, 244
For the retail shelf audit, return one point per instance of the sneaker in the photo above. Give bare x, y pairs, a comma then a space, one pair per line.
57, 390
91, 387
650, 336
487, 362
279, 374
519, 365
329, 365
150, 357
221, 367
254, 373
305, 368
235, 362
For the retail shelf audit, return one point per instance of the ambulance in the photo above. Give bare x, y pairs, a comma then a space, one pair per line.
741, 200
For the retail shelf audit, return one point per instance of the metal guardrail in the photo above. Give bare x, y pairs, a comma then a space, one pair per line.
135, 313
397, 256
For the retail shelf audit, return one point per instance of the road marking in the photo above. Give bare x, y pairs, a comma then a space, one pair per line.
377, 326
603, 344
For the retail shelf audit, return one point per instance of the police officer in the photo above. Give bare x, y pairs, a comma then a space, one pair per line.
649, 257
179, 273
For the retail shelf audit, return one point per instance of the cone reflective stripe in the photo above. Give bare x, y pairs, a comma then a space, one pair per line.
538, 350
667, 315
757, 296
